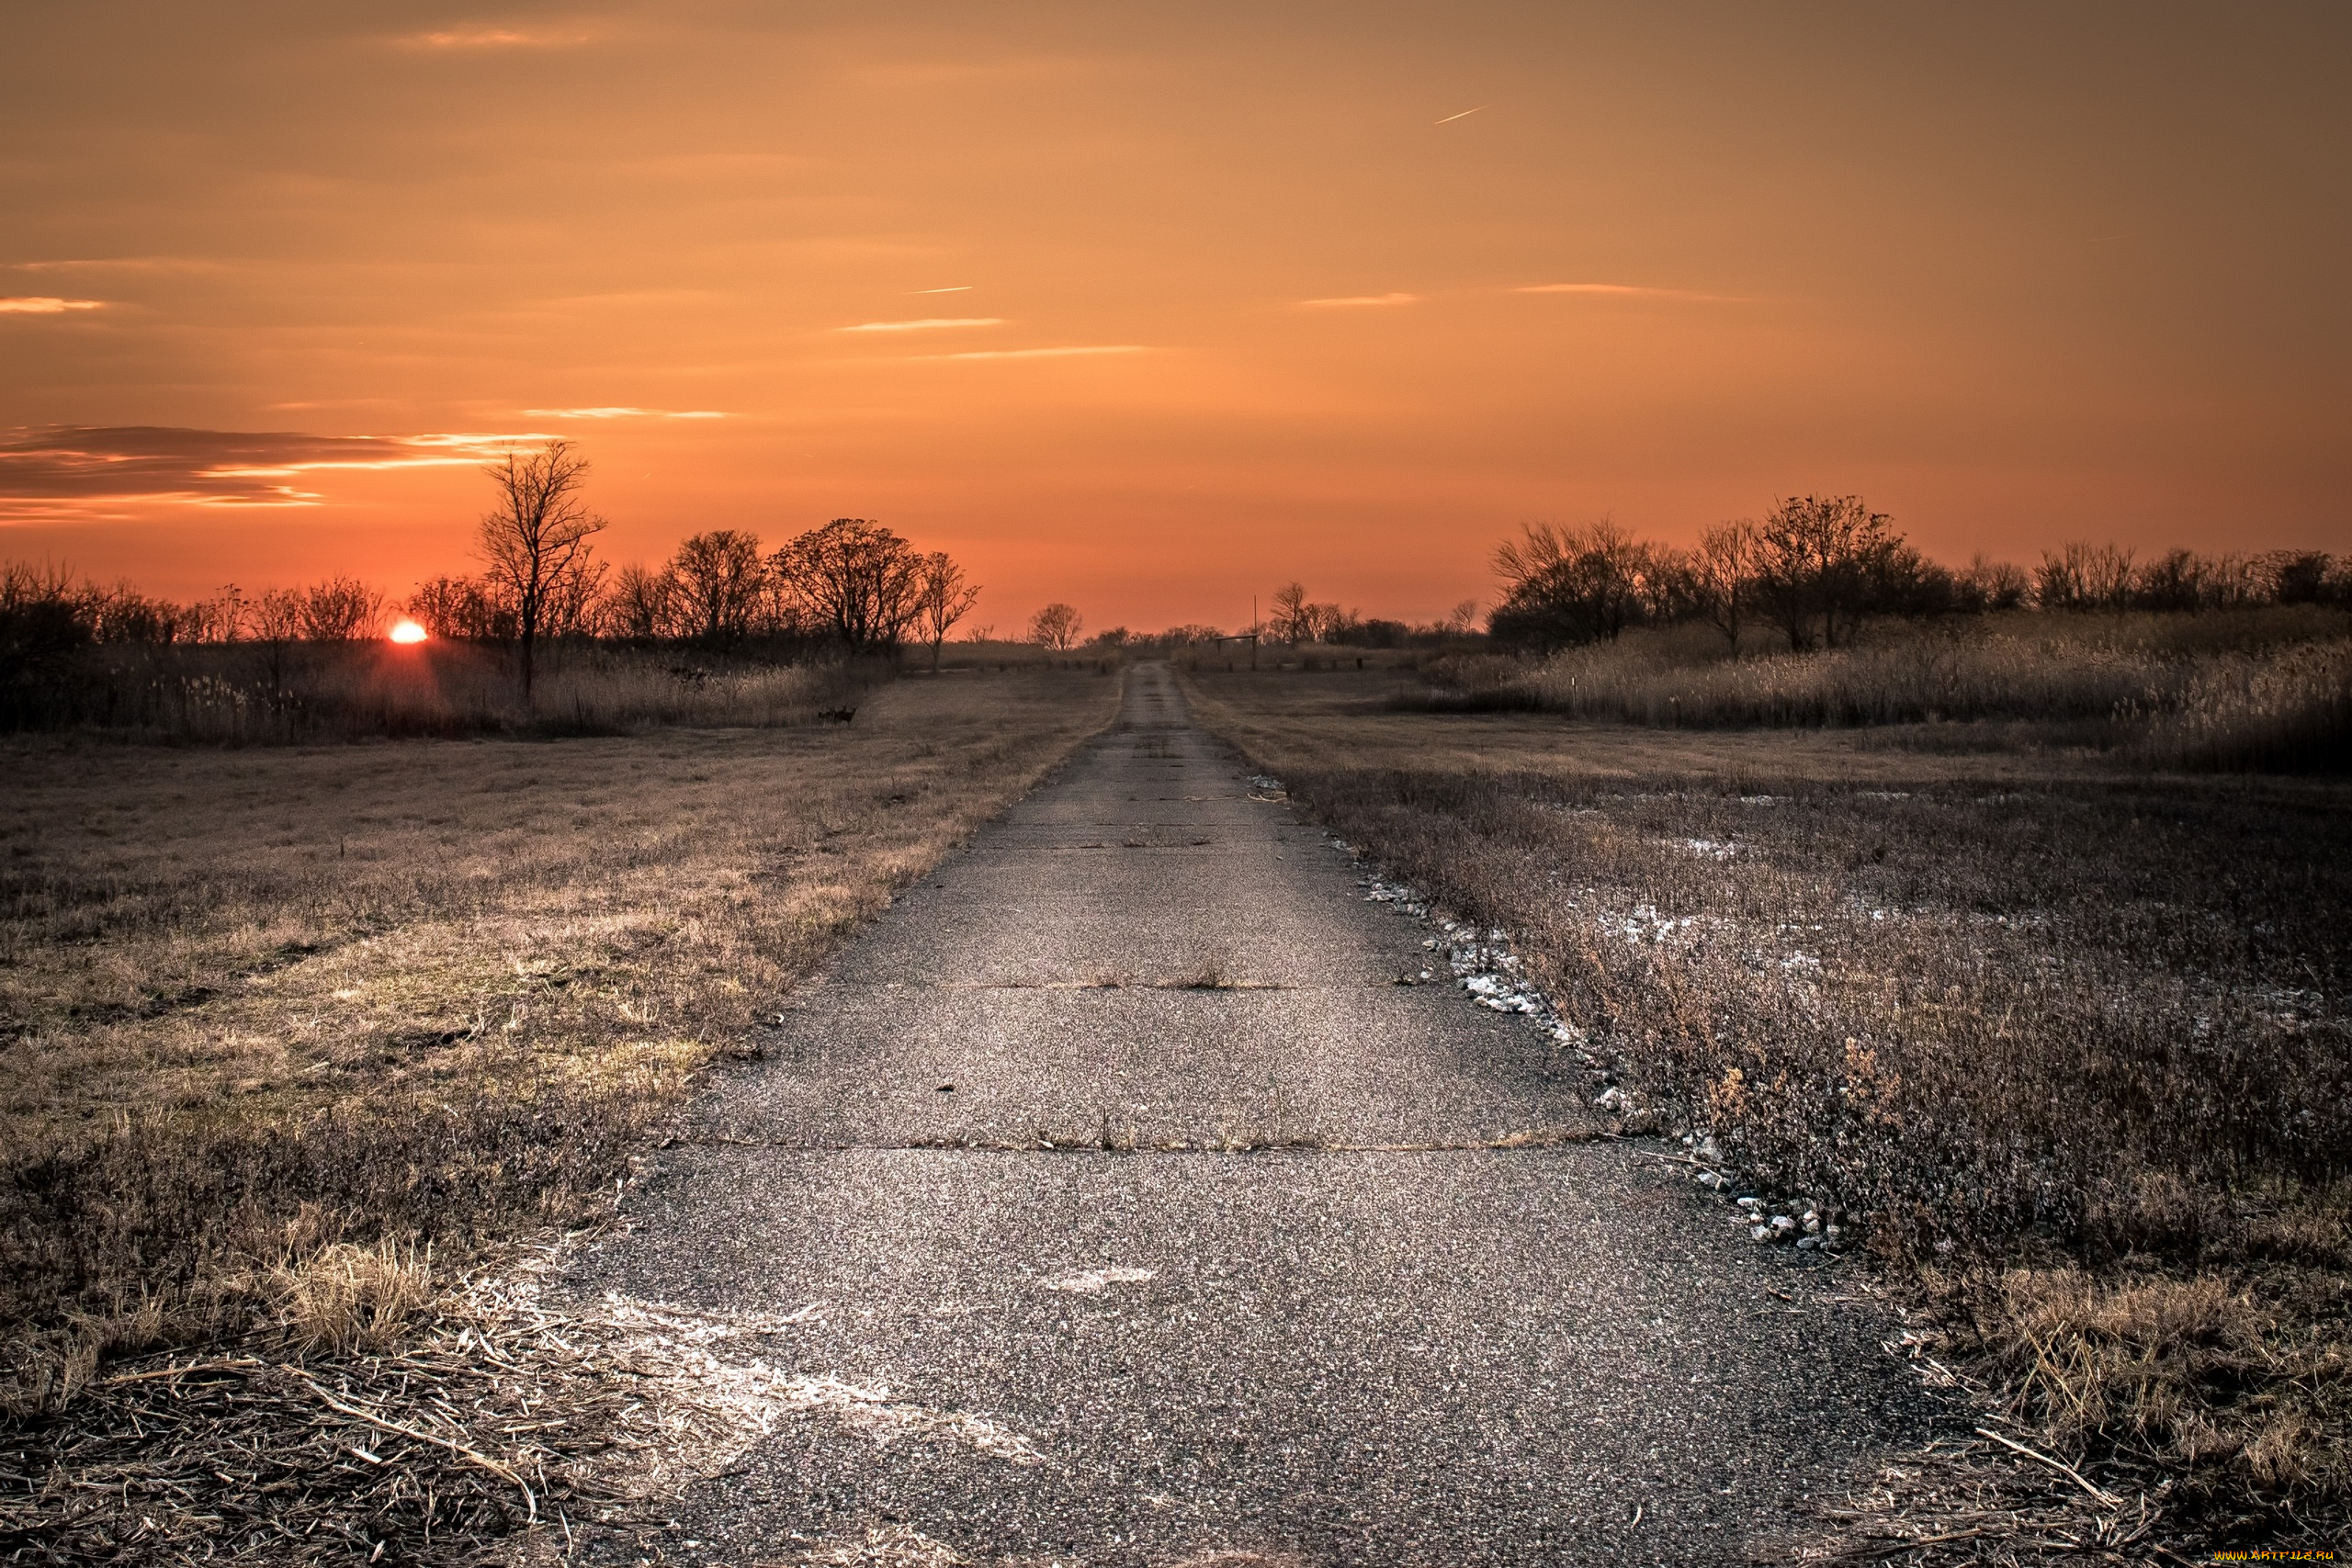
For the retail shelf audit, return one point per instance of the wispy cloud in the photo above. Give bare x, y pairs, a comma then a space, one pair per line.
72, 470
928, 324
1365, 299
45, 305
1043, 353
1465, 113
625, 414
493, 38
1629, 290
951, 288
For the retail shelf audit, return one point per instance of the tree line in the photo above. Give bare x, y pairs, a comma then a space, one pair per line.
849, 581
1815, 567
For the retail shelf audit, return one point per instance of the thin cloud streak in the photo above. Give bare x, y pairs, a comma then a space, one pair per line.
625, 414
45, 305
70, 469
951, 288
1465, 113
1042, 353
492, 38
928, 324
1631, 291
1364, 299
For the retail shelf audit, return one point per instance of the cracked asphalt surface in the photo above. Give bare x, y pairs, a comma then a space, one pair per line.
1300, 1311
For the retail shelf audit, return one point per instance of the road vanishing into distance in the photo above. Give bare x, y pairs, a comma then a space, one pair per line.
1300, 1311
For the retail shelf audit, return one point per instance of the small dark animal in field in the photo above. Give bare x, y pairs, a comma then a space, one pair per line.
837, 715
690, 675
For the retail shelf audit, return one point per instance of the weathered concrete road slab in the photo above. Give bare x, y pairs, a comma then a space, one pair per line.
1310, 1316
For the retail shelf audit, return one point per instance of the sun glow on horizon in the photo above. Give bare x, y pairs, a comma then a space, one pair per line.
406, 631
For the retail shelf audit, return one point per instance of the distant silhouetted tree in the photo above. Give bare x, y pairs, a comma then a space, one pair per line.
1722, 570
2079, 576
220, 619
2175, 580
341, 609
1988, 584
470, 609
2299, 577
1823, 563
277, 626
717, 582
1291, 618
641, 604
42, 618
941, 599
1055, 626
1568, 586
535, 542
853, 579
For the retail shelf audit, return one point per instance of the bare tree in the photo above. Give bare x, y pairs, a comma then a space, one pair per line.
341, 609
853, 578
640, 604
2080, 576
43, 618
1725, 570
221, 618
575, 603
472, 608
718, 581
1055, 626
1822, 562
1293, 619
278, 625
941, 599
535, 541
1989, 584
1573, 585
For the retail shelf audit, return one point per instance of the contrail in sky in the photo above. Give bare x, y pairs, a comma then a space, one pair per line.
1465, 113
958, 289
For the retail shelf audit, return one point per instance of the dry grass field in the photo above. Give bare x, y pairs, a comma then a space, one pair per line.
292, 1033
2063, 1041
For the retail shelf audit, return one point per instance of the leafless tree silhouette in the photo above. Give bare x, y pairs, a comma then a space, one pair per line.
853, 578
341, 609
1724, 571
1573, 585
941, 599
717, 580
1291, 620
277, 626
641, 604
1821, 561
1055, 626
535, 541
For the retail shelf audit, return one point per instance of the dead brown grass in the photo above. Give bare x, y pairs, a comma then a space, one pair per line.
2066, 1041
277, 1021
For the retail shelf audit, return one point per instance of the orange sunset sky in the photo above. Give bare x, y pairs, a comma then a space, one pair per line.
1153, 307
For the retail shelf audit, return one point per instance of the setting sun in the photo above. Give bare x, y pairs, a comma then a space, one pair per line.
408, 631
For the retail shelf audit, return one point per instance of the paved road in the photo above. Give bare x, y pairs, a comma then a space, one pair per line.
1374, 1343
